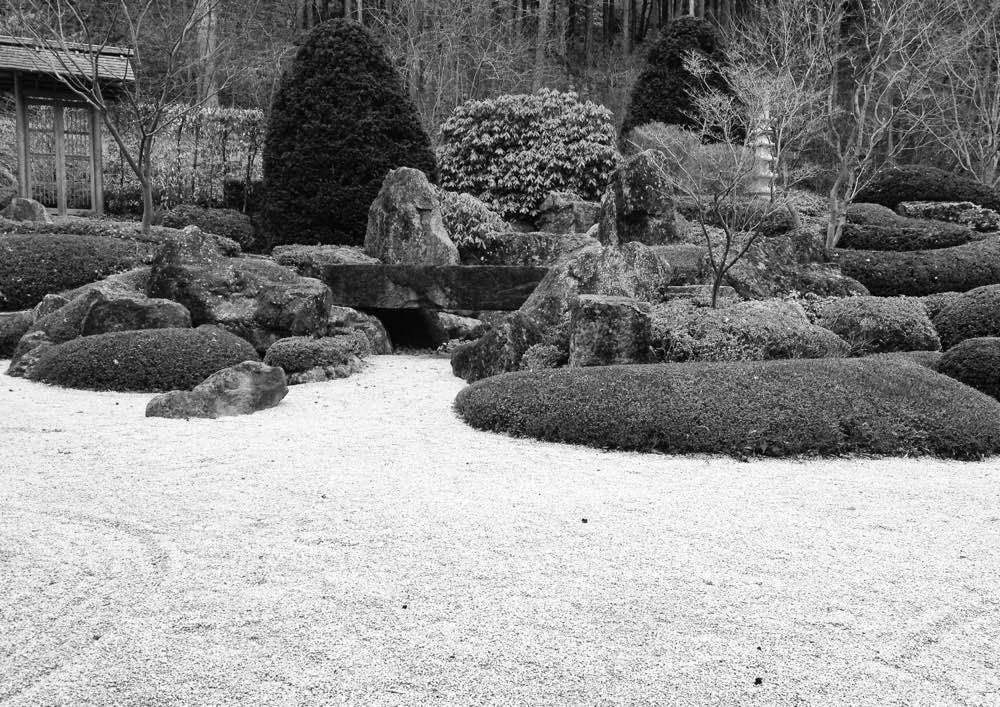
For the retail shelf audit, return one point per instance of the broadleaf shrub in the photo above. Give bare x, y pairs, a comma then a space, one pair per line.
340, 121
34, 265
147, 360
918, 183
469, 222
889, 273
661, 93
970, 315
975, 362
513, 150
877, 405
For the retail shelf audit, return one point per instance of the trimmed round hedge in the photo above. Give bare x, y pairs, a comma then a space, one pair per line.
220, 222
148, 360
296, 354
975, 362
660, 93
973, 314
512, 151
827, 406
341, 120
34, 265
923, 272
875, 227
916, 183
878, 324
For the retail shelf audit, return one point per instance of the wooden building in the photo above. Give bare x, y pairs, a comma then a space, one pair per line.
58, 134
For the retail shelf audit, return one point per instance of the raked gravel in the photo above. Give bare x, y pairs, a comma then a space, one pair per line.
359, 545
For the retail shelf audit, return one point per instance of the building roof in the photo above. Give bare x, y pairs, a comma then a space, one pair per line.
32, 56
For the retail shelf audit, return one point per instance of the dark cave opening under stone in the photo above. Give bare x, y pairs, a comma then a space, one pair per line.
411, 328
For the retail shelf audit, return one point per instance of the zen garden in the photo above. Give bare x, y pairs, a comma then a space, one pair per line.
517, 352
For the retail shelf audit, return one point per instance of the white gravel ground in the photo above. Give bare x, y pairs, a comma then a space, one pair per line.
359, 545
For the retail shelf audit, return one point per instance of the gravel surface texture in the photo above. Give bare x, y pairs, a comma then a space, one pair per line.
359, 545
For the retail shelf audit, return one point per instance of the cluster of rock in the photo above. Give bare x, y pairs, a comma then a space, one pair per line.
961, 212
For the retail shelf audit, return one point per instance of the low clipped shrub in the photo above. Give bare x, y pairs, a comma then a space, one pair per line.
220, 222
147, 360
746, 331
936, 302
661, 93
513, 150
927, 359
878, 324
829, 406
301, 353
341, 120
470, 223
973, 314
34, 265
923, 272
13, 325
876, 227
918, 183
975, 362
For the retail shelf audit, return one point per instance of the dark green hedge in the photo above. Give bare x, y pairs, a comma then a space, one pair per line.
878, 324
975, 362
149, 360
13, 325
903, 234
341, 120
824, 406
34, 265
660, 94
970, 315
916, 183
924, 272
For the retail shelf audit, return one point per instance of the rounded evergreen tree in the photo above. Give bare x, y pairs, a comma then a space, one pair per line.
660, 94
340, 121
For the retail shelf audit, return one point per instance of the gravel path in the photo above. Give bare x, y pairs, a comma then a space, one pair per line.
359, 545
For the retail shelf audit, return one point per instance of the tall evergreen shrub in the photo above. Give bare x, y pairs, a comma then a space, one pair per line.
341, 120
660, 94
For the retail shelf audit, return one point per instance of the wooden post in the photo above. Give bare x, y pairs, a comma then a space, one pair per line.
21, 122
96, 163
57, 116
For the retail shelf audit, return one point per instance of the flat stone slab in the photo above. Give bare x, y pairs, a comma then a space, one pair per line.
450, 287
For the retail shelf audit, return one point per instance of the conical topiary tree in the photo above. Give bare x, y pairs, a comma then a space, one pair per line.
660, 94
340, 121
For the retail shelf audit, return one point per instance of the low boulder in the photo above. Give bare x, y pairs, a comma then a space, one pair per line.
251, 297
608, 330
344, 320
639, 205
21, 209
405, 225
238, 390
309, 260
565, 212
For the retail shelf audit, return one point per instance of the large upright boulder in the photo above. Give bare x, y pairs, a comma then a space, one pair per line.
566, 212
630, 271
609, 330
254, 298
404, 223
639, 205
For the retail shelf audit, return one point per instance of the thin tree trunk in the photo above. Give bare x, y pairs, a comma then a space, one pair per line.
208, 42
540, 40
627, 26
